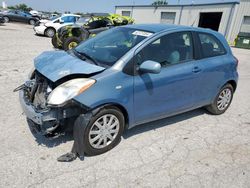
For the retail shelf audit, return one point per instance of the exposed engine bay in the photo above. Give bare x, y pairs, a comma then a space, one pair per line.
45, 119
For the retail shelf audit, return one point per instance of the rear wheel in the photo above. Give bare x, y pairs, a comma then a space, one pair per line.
104, 131
32, 22
6, 19
50, 32
70, 43
222, 100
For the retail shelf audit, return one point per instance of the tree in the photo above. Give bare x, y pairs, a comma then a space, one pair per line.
22, 7
160, 2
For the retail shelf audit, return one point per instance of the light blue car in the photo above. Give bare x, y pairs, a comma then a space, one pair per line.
128, 76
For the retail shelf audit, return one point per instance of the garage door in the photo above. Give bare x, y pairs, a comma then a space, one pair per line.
168, 17
245, 25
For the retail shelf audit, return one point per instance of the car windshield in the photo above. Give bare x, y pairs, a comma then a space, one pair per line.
109, 46
54, 17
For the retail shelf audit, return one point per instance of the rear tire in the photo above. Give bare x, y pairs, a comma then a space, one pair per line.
50, 32
116, 119
54, 42
222, 100
32, 22
71, 42
6, 19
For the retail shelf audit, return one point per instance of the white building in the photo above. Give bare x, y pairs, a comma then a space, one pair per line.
229, 18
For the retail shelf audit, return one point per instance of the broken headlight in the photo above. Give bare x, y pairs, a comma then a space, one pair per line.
69, 90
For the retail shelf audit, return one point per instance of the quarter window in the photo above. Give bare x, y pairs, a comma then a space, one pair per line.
210, 46
168, 50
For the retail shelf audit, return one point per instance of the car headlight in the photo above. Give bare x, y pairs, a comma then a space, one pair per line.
69, 90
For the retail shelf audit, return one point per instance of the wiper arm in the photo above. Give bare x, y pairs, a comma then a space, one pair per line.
86, 56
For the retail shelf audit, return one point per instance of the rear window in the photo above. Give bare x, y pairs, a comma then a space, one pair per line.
210, 45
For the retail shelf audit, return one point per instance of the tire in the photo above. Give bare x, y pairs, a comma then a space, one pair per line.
6, 19
50, 32
32, 22
91, 148
221, 104
70, 43
54, 41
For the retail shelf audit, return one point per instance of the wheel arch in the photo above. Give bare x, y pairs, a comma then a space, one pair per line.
233, 83
119, 107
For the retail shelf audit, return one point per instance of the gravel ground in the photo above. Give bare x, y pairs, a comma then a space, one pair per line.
194, 149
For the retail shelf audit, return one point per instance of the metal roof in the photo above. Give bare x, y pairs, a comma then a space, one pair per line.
181, 5
155, 28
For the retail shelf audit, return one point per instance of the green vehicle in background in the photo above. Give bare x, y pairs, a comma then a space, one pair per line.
70, 36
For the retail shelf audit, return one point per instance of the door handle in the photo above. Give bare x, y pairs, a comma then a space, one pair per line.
196, 69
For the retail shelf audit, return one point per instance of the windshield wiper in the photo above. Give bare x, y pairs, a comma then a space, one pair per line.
86, 56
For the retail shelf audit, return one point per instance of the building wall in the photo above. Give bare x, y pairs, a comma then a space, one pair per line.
185, 15
231, 21
241, 10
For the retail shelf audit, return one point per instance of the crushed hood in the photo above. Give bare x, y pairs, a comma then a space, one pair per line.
58, 64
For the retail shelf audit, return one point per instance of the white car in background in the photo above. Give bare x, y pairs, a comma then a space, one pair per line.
49, 27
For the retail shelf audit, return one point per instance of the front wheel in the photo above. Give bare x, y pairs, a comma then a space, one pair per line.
222, 100
104, 131
70, 43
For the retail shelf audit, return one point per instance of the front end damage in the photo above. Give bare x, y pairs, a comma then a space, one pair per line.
43, 118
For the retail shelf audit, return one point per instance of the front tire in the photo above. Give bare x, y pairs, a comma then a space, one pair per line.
222, 100
6, 19
103, 131
70, 43
50, 32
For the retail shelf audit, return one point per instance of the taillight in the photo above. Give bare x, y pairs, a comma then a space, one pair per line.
236, 61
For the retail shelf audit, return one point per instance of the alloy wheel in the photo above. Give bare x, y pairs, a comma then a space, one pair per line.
104, 131
224, 99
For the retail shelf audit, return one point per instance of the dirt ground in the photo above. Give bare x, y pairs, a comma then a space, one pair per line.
194, 149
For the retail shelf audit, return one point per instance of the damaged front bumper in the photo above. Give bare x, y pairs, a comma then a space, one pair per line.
47, 121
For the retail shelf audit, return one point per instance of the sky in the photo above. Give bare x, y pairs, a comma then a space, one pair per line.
93, 5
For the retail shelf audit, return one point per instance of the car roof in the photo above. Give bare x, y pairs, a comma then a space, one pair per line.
71, 15
156, 28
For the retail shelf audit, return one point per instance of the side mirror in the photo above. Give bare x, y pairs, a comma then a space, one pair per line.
150, 67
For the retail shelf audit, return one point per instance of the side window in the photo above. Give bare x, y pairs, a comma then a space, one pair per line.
57, 21
69, 19
168, 50
210, 46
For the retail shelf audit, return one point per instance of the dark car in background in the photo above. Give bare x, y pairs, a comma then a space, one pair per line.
20, 16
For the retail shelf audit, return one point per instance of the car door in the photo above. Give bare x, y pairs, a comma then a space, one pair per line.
13, 15
170, 91
23, 17
210, 68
